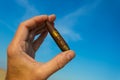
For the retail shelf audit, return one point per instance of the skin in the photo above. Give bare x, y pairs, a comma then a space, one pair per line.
21, 64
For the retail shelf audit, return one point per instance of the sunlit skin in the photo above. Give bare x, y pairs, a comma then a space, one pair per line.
21, 52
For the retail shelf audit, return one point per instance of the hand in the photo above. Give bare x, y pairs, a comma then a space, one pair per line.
21, 52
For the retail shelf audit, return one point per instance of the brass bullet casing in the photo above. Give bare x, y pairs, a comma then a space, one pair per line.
57, 37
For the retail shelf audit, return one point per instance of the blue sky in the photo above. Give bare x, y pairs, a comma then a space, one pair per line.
91, 28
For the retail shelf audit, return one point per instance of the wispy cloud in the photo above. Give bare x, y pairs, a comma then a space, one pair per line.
69, 34
66, 26
67, 23
8, 26
30, 10
62, 24
69, 20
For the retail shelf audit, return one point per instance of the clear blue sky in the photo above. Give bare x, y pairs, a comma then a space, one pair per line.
91, 28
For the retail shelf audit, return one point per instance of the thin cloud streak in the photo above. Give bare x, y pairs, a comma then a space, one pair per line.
30, 10
72, 18
69, 34
81, 11
8, 26
69, 20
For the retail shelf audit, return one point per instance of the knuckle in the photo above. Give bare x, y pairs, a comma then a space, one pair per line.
11, 50
59, 64
22, 24
25, 24
38, 72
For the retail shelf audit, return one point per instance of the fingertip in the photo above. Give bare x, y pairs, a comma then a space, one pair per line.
52, 17
69, 54
72, 53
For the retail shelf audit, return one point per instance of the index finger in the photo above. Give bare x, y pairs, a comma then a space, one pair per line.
35, 21
23, 30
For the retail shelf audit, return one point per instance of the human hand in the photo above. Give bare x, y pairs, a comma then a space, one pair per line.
21, 52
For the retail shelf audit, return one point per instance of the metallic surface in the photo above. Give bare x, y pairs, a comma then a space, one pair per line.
57, 37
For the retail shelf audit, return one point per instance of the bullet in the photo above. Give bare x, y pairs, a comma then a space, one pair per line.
57, 37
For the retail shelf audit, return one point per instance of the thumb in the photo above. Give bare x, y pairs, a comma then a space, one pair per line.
58, 62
